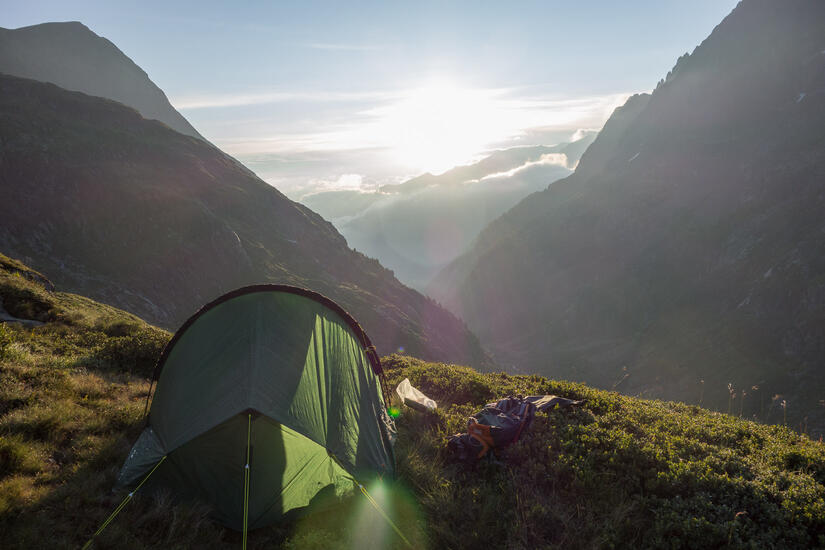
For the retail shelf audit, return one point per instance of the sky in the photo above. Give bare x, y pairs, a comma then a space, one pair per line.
350, 95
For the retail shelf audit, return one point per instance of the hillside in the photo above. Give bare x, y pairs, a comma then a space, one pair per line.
685, 253
417, 227
618, 472
75, 58
136, 215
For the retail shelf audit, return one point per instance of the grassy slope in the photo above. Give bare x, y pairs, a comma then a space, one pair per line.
620, 472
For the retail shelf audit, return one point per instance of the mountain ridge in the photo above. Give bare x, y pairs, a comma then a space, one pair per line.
135, 214
685, 250
417, 227
72, 56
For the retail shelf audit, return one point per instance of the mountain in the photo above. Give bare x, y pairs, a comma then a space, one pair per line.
418, 227
134, 214
73, 57
686, 251
616, 472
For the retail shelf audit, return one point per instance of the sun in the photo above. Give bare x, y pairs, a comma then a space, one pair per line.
439, 126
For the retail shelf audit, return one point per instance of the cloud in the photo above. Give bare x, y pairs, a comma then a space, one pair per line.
582, 133
549, 159
342, 47
344, 182
243, 99
350, 182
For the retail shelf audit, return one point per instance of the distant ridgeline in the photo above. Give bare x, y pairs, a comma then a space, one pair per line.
686, 251
137, 215
418, 227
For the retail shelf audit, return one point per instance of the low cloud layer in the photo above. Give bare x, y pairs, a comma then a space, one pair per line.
550, 159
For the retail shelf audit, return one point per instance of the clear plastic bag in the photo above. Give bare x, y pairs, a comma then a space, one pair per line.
412, 397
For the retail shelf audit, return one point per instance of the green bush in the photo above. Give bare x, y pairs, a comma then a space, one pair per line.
135, 353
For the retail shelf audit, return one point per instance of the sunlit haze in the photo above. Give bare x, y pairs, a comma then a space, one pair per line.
316, 96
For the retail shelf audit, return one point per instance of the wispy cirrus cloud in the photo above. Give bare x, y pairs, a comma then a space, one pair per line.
242, 99
415, 123
342, 47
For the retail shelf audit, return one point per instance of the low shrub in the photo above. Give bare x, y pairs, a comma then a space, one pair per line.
135, 353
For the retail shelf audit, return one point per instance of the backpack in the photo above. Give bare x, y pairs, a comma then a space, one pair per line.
495, 426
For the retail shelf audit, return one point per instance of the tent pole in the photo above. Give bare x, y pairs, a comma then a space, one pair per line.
246, 480
148, 396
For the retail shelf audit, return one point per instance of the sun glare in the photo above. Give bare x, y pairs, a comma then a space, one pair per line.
440, 126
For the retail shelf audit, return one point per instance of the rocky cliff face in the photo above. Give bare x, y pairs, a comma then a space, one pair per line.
688, 245
137, 215
73, 57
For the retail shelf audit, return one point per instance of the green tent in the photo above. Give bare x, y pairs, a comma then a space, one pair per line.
266, 397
